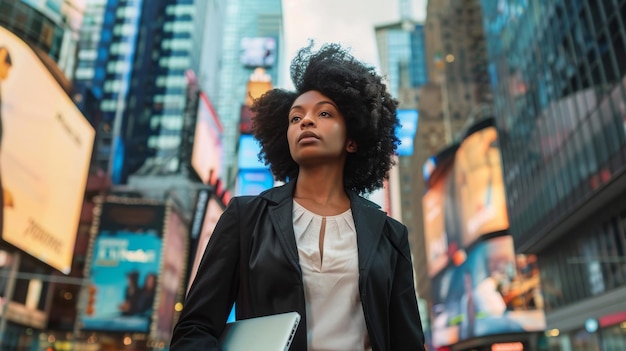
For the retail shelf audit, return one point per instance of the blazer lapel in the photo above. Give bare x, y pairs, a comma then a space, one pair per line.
280, 212
368, 221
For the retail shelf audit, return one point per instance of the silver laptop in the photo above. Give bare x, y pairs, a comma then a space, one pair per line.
268, 333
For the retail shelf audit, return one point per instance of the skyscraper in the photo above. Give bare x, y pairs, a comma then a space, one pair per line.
401, 48
559, 78
132, 60
248, 24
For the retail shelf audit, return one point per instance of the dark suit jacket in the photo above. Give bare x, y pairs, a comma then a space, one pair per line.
252, 260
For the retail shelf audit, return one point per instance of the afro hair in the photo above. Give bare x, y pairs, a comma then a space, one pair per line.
362, 98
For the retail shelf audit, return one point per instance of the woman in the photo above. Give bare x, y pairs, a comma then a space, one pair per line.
313, 245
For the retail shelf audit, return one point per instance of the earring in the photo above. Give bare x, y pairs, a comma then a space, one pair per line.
351, 146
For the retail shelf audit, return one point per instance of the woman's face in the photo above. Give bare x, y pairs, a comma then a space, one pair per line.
317, 130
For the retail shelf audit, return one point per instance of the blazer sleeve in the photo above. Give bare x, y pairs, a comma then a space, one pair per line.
405, 324
213, 291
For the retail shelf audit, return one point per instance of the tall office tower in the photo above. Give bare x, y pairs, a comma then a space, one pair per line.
252, 38
455, 45
456, 93
132, 62
402, 58
107, 46
559, 78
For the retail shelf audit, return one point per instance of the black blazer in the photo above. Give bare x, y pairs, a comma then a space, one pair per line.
252, 260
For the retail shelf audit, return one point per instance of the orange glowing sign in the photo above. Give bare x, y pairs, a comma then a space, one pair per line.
508, 346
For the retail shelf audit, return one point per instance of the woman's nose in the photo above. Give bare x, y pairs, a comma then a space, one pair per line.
307, 121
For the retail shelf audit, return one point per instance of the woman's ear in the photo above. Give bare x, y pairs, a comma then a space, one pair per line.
351, 146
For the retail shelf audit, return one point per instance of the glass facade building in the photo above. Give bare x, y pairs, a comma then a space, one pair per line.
132, 63
558, 71
242, 19
402, 55
49, 26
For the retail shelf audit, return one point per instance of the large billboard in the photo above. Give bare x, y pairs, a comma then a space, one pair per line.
207, 152
123, 265
258, 51
479, 285
464, 199
479, 186
171, 289
406, 131
492, 291
45, 149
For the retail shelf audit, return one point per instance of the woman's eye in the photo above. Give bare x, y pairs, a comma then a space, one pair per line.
325, 114
294, 119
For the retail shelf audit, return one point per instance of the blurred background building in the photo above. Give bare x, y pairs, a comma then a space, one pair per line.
559, 80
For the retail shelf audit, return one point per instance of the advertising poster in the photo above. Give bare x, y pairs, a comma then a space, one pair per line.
492, 292
434, 229
479, 286
442, 225
479, 185
207, 152
213, 212
406, 131
45, 149
172, 275
123, 267
258, 51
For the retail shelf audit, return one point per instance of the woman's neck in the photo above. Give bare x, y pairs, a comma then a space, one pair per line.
321, 191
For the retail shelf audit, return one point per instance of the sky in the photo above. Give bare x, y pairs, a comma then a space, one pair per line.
348, 22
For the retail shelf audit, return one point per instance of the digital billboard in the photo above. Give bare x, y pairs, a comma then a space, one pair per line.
434, 229
259, 84
245, 120
248, 153
479, 285
258, 51
213, 212
171, 280
45, 149
207, 152
253, 182
123, 266
492, 291
406, 131
467, 194
479, 185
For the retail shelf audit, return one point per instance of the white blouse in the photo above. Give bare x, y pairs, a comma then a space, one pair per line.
334, 314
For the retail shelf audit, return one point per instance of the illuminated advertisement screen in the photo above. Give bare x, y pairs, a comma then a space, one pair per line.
492, 291
464, 199
434, 229
123, 267
479, 185
406, 131
258, 52
245, 120
253, 182
255, 89
442, 232
213, 212
248, 153
207, 152
172, 275
45, 149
